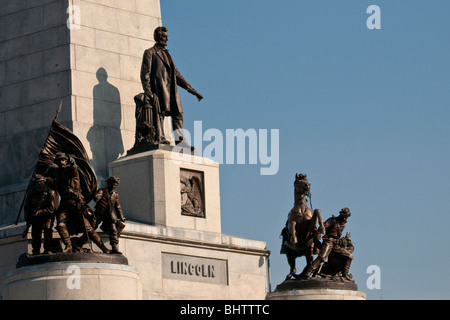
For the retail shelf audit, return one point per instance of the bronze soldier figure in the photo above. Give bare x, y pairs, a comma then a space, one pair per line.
334, 227
109, 212
73, 214
39, 209
337, 263
160, 80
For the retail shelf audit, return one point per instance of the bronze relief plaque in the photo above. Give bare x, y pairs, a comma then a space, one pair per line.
192, 193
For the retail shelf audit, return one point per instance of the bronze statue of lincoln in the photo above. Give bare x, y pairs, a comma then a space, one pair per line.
160, 80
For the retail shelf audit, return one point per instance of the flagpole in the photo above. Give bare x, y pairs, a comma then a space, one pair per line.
34, 171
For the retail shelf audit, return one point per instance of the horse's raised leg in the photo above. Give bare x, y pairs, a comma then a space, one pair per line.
317, 215
293, 231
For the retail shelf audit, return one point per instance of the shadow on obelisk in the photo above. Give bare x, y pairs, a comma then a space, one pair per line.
105, 137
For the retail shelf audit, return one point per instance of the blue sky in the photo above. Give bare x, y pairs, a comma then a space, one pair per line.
364, 113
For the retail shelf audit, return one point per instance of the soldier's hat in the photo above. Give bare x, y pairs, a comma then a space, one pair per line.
38, 178
345, 212
60, 156
113, 180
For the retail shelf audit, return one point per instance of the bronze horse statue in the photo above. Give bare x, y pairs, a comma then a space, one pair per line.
301, 236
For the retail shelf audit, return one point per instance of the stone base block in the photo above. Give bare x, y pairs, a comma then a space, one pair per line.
317, 294
183, 264
315, 283
157, 186
73, 281
316, 289
26, 260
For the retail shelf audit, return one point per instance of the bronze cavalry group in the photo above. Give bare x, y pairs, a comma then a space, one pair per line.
306, 234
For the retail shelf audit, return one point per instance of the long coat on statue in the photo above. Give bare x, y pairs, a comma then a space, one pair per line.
160, 76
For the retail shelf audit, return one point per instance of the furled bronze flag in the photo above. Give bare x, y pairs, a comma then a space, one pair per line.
61, 139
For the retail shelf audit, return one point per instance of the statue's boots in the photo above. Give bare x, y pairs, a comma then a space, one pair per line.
114, 236
98, 241
348, 277
313, 267
115, 249
345, 273
65, 237
93, 236
309, 262
48, 236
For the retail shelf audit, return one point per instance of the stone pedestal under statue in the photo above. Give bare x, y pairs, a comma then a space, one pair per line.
173, 236
316, 289
171, 187
76, 276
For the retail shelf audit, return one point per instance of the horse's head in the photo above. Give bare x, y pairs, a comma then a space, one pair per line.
301, 184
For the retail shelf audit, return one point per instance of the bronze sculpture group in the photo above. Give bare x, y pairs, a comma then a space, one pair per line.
73, 216
302, 236
58, 196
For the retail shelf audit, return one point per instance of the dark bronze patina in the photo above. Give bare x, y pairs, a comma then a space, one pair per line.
302, 237
39, 210
63, 169
160, 80
109, 212
339, 261
334, 243
192, 193
73, 215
